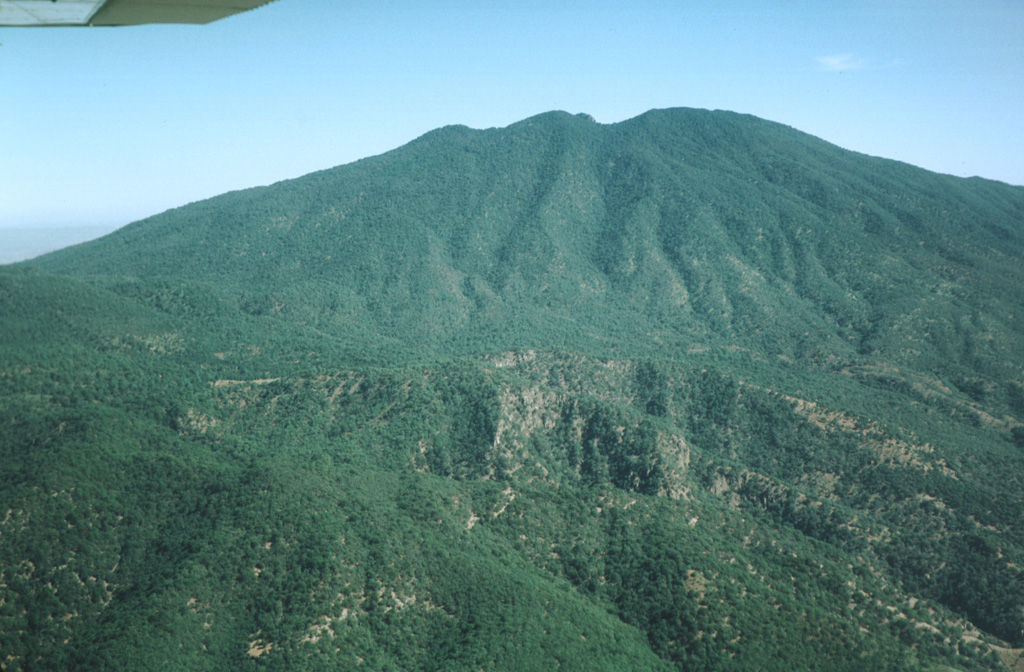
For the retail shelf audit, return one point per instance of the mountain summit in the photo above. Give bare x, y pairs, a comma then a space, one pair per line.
681, 227
690, 391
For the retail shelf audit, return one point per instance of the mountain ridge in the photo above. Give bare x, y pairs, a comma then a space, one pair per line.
694, 391
491, 230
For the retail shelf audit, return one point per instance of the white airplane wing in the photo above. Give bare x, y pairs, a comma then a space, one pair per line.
118, 12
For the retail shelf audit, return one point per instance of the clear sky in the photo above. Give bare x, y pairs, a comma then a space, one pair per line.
109, 125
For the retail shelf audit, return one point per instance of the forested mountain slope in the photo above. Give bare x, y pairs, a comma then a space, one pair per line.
680, 226
691, 391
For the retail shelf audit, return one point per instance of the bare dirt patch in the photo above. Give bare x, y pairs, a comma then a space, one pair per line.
257, 648
230, 383
1012, 659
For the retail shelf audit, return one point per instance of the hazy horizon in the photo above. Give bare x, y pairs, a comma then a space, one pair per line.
20, 243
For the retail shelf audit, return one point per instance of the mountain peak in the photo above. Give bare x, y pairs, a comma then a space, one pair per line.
695, 225
566, 389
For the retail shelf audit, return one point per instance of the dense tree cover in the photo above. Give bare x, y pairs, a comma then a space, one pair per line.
679, 227
694, 392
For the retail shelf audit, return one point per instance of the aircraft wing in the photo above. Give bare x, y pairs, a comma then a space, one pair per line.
118, 12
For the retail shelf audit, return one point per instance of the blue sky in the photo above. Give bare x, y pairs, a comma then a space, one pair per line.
106, 126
